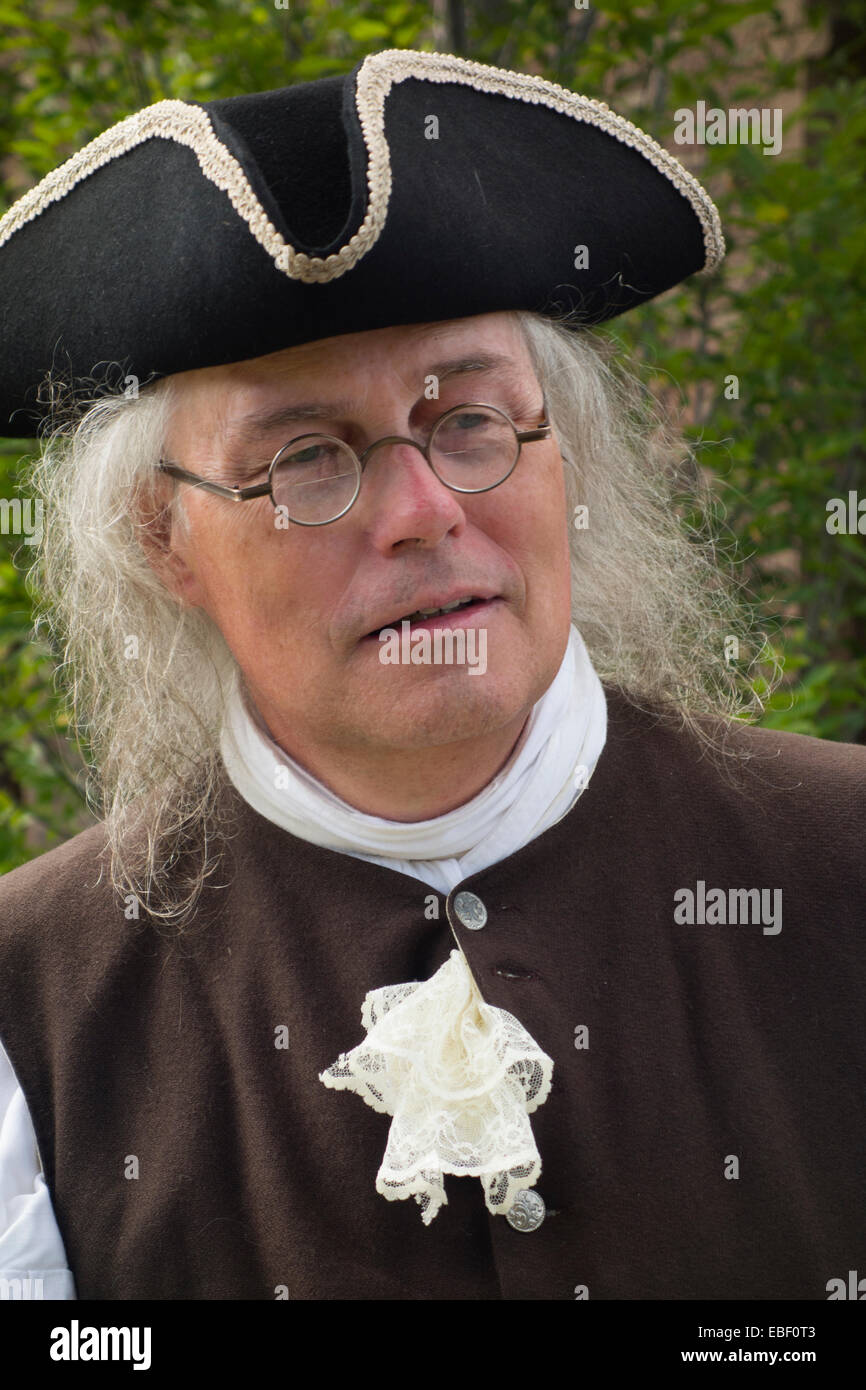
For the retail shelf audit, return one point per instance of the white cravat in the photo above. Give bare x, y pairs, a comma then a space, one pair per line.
546, 772
459, 1077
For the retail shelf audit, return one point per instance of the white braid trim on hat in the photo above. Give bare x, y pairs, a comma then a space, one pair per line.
460, 1078
190, 125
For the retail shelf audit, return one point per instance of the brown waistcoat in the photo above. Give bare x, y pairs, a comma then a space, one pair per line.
704, 1137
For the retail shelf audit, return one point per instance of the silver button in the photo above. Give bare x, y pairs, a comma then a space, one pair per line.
471, 912
527, 1211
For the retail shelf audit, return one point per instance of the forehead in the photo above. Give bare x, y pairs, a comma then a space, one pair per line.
353, 362
409, 343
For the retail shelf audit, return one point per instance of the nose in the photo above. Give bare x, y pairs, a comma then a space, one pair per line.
402, 500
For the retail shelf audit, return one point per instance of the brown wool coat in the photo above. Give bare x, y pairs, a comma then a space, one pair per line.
706, 1043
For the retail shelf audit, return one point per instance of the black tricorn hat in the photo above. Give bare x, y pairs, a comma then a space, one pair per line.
418, 187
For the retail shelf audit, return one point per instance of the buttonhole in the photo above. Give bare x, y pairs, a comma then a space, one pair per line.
509, 971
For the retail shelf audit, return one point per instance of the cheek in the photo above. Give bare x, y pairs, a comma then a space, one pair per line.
236, 557
260, 581
531, 520
539, 540
551, 511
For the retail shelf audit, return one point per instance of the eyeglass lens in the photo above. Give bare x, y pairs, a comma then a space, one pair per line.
316, 478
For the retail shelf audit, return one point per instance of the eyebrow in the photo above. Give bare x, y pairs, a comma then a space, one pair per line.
253, 426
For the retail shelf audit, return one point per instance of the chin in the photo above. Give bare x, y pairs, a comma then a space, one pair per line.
451, 705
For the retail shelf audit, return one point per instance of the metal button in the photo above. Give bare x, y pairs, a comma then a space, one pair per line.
470, 910
527, 1211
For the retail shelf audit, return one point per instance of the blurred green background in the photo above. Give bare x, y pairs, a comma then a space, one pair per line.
782, 317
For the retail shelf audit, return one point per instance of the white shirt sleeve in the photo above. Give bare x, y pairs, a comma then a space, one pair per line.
32, 1255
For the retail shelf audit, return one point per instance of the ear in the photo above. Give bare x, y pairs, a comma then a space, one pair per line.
167, 546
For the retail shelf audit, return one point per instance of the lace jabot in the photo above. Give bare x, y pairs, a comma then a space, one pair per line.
460, 1079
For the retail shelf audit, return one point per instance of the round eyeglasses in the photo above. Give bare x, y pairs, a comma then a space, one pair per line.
316, 478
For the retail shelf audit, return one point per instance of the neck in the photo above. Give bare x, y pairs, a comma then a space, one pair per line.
401, 784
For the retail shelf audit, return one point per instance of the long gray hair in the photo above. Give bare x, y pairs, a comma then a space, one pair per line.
654, 594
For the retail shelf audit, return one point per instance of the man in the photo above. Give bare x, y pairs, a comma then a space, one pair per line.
339, 589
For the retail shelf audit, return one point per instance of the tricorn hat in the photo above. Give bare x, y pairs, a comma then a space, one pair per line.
418, 187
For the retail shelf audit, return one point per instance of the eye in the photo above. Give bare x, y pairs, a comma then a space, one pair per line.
310, 454
316, 452
468, 420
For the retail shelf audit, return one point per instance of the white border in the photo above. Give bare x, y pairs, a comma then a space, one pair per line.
190, 125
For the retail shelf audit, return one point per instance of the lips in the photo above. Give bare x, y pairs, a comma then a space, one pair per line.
431, 611
420, 614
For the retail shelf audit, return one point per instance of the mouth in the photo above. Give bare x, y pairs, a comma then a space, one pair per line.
460, 613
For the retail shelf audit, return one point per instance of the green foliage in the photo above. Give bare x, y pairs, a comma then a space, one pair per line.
782, 316
42, 776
